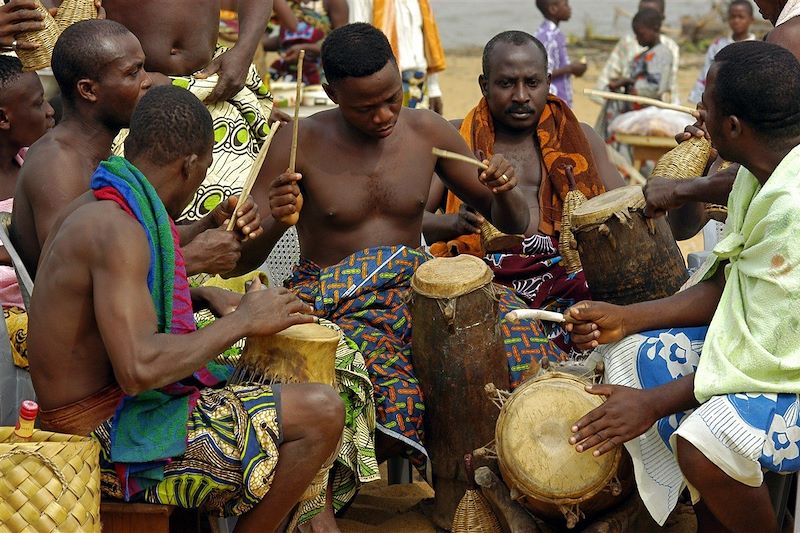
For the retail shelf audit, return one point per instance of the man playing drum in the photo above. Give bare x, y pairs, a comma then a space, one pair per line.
541, 136
113, 306
721, 417
365, 170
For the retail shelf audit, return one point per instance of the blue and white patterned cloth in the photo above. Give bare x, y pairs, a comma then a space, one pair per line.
740, 433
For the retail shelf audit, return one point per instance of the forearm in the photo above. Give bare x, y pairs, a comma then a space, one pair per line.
687, 220
253, 17
509, 212
438, 227
563, 71
714, 189
161, 359
672, 397
188, 232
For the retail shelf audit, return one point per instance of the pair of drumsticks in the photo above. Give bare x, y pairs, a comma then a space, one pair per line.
292, 219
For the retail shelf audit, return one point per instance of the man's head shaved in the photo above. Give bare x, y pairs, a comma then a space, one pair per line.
512, 37
82, 51
10, 70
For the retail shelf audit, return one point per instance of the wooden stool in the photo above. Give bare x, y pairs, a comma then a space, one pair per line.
646, 148
122, 517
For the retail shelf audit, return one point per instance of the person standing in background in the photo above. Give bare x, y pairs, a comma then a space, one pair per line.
555, 43
411, 29
627, 48
740, 17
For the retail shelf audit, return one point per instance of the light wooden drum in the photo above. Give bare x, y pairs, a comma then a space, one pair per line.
456, 350
626, 257
543, 470
494, 240
303, 353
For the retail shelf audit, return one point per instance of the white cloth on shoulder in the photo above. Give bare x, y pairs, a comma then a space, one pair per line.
790, 11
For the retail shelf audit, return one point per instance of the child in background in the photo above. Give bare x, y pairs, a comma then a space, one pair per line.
740, 17
555, 43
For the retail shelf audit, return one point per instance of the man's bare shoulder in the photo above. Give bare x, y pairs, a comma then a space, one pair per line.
787, 35
48, 159
428, 123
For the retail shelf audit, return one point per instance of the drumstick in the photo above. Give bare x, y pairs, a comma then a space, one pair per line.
444, 154
292, 219
538, 314
642, 100
254, 172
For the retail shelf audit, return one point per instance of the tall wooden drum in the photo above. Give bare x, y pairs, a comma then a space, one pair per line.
626, 257
456, 350
543, 470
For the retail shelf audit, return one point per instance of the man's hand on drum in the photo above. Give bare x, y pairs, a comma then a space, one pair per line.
661, 195
626, 414
283, 195
499, 177
270, 310
594, 323
248, 217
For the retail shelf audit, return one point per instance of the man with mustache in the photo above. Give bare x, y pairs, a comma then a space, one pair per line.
542, 137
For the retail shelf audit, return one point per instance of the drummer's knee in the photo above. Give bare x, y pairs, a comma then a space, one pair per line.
328, 409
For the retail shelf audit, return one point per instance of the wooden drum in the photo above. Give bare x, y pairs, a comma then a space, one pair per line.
456, 350
626, 257
543, 470
303, 353
494, 240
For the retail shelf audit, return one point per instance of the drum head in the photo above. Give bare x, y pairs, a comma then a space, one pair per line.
451, 277
532, 438
310, 332
602, 207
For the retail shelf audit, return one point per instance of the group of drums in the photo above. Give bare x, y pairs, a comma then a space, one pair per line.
458, 350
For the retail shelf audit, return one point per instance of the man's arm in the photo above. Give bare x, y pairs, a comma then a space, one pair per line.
232, 66
338, 12
664, 194
608, 172
502, 203
144, 359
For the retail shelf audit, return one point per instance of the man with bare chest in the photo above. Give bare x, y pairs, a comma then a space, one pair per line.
542, 137
99, 66
364, 170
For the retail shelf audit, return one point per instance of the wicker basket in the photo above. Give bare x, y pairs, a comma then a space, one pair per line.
50, 483
473, 514
46, 38
72, 11
687, 160
567, 246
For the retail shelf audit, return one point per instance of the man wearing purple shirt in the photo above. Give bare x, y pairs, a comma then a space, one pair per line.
554, 41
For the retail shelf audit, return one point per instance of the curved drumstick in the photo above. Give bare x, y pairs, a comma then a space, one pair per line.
292, 219
537, 314
445, 154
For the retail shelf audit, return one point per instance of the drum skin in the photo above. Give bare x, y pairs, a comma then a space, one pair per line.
456, 350
537, 460
627, 258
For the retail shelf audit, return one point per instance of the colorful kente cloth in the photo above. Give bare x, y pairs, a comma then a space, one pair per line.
240, 127
17, 325
233, 435
740, 433
356, 463
562, 142
150, 428
535, 272
365, 295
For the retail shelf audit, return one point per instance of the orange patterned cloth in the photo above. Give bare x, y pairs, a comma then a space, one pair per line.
562, 143
383, 18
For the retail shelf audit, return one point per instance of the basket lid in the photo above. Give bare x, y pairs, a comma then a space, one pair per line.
451, 277
533, 448
602, 207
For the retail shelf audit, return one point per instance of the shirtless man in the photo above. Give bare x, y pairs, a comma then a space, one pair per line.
514, 117
92, 312
685, 199
365, 170
99, 67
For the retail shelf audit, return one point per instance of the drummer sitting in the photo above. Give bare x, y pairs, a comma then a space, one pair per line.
113, 349
541, 136
742, 316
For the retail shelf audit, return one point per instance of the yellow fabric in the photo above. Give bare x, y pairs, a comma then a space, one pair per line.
17, 325
383, 18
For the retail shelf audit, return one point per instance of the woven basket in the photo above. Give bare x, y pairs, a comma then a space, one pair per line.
567, 246
687, 160
50, 483
72, 11
473, 514
46, 38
